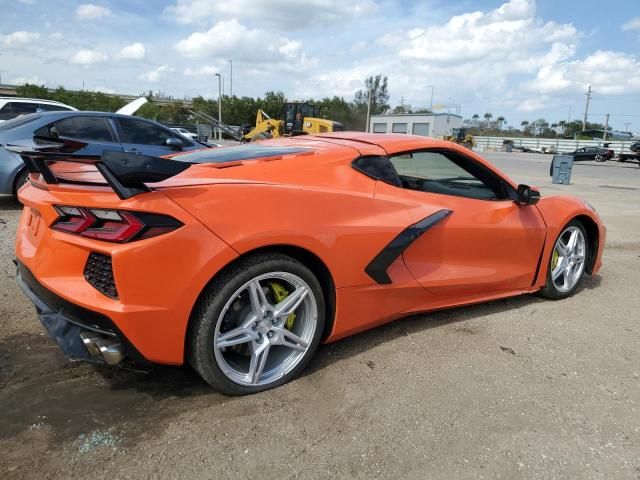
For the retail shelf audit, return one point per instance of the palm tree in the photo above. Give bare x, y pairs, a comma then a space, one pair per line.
488, 117
500, 121
475, 119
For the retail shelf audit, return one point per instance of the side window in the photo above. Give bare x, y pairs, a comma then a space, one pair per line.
447, 173
22, 108
145, 133
82, 128
5, 112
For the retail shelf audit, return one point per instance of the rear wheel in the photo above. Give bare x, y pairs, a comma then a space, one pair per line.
257, 325
567, 262
600, 158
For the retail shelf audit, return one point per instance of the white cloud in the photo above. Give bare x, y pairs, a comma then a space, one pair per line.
292, 14
231, 39
56, 36
135, 51
26, 2
90, 11
18, 39
203, 71
156, 74
87, 57
505, 35
633, 24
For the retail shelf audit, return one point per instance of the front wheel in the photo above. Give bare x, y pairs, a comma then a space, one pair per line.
600, 158
257, 325
567, 262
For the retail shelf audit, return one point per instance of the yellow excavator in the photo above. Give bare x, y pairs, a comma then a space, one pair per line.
461, 137
298, 119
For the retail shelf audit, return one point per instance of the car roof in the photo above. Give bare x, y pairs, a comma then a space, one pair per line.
32, 100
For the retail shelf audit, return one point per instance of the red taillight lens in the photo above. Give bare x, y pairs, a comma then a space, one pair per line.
117, 226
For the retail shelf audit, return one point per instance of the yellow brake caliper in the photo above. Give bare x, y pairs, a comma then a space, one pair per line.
279, 294
554, 259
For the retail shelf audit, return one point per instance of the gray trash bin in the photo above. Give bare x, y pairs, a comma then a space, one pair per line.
561, 166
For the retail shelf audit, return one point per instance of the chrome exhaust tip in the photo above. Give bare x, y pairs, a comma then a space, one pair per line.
112, 352
89, 339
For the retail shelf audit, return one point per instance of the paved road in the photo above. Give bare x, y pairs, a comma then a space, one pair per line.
519, 388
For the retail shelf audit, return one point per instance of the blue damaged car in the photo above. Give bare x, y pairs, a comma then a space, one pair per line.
99, 131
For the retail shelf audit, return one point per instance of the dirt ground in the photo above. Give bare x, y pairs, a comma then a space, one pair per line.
518, 388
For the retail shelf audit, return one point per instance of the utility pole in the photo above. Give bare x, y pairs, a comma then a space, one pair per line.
569, 117
231, 77
219, 104
431, 103
368, 110
586, 109
606, 126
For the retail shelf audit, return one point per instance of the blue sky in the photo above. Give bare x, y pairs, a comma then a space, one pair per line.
521, 59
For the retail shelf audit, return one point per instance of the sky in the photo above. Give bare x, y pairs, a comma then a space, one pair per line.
520, 59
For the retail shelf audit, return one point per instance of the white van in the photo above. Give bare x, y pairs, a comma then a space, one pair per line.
12, 107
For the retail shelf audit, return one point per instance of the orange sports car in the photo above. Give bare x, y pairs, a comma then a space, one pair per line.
242, 260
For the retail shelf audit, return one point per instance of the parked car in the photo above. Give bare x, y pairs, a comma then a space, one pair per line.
12, 107
186, 133
243, 259
598, 154
99, 130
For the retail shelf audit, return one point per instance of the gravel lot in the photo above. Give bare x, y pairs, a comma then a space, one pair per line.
518, 388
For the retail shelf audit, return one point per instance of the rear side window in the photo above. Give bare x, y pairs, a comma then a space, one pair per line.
23, 108
82, 128
16, 109
145, 133
5, 112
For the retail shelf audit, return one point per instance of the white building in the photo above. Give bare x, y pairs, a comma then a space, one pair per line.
435, 125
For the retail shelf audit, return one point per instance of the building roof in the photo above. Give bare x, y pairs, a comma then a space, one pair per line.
416, 115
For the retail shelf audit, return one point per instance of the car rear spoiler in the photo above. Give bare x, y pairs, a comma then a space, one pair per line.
126, 173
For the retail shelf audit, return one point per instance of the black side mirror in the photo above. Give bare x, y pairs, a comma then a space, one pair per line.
527, 195
174, 142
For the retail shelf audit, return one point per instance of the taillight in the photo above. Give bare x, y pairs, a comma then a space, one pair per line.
117, 226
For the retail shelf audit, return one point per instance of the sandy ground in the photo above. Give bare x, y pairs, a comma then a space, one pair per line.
518, 388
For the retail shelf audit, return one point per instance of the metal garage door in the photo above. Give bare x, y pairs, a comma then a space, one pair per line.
421, 129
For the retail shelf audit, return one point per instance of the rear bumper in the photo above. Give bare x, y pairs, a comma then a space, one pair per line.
66, 321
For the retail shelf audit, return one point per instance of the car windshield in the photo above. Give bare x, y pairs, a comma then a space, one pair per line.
237, 153
18, 121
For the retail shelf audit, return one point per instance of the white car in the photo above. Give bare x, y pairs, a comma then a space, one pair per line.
186, 133
12, 107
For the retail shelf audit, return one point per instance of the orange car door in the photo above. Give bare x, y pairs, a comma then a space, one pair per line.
486, 245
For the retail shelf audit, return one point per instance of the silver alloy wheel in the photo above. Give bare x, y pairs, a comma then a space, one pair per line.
567, 260
254, 342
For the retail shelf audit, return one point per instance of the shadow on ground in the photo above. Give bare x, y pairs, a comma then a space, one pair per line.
38, 384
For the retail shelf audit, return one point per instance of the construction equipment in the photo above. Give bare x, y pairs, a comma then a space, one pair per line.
461, 137
302, 118
299, 119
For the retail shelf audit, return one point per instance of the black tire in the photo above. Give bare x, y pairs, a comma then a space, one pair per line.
200, 351
550, 290
20, 180
601, 158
